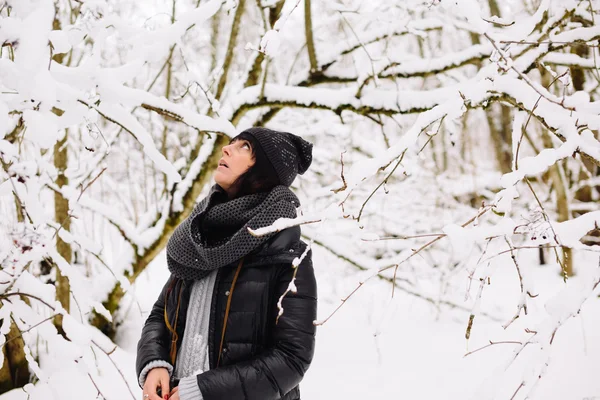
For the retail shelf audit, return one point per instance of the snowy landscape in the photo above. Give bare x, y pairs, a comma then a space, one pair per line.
452, 206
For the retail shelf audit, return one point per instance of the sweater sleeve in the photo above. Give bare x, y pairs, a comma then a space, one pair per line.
189, 389
151, 365
280, 368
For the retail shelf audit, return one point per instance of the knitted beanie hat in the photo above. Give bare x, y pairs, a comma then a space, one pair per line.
288, 153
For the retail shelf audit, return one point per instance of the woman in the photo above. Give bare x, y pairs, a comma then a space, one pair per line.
215, 332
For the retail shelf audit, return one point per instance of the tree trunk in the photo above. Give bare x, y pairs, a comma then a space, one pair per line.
559, 183
558, 179
214, 41
585, 194
501, 133
494, 8
62, 217
61, 205
310, 44
14, 372
15, 369
275, 12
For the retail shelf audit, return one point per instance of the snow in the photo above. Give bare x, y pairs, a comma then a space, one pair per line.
342, 98
42, 128
568, 301
568, 59
571, 231
471, 11
462, 243
403, 85
442, 63
60, 42
270, 43
33, 37
281, 224
525, 26
154, 45
532, 166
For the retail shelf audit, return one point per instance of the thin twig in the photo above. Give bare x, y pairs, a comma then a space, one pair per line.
403, 237
345, 185
522, 305
491, 344
550, 43
517, 391
523, 130
7, 295
363, 47
475, 307
383, 182
108, 354
97, 388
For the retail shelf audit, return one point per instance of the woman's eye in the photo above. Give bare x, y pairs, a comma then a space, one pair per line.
246, 145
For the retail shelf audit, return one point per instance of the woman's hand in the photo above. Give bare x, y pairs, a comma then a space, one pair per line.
157, 377
174, 395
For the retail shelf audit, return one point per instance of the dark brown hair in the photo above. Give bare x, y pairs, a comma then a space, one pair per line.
261, 176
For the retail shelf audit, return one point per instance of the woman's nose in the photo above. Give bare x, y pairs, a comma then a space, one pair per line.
226, 150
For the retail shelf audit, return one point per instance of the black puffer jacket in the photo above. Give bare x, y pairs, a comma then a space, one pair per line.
261, 359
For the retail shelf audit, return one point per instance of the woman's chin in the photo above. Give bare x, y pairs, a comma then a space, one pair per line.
221, 180
218, 175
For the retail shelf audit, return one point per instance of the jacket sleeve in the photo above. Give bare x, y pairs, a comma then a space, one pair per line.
153, 345
277, 370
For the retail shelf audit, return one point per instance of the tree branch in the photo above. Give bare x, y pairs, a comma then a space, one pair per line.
235, 28
310, 44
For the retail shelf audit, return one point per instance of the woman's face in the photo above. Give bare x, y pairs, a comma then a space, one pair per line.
237, 158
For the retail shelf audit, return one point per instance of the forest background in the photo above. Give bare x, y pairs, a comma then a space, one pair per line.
452, 205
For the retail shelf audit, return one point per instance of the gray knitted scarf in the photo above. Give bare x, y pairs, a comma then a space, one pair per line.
215, 234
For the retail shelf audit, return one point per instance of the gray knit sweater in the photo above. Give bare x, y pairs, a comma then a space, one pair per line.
192, 357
